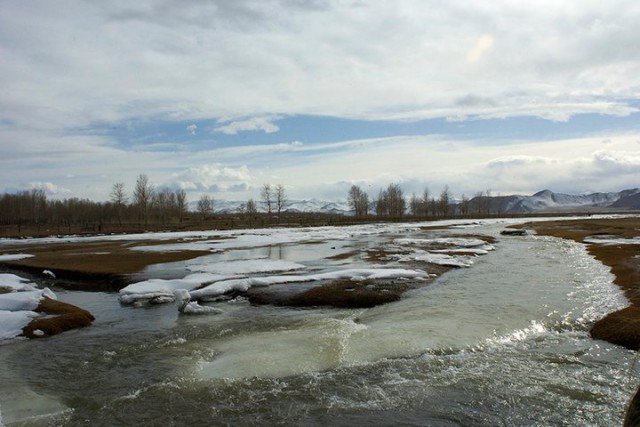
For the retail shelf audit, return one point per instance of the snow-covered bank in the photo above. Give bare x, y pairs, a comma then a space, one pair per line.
18, 305
26, 311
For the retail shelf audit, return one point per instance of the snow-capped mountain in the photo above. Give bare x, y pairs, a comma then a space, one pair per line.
548, 201
306, 206
542, 201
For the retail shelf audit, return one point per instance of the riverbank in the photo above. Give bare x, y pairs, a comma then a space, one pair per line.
610, 241
615, 243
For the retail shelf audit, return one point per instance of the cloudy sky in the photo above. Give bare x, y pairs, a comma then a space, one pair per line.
221, 96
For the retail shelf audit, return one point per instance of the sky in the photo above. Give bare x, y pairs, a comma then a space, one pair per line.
220, 97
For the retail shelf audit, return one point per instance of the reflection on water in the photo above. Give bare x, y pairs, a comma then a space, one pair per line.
502, 343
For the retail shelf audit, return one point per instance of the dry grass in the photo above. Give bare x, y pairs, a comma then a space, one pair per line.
106, 257
350, 294
63, 317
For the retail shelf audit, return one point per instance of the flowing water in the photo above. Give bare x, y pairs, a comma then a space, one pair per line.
503, 343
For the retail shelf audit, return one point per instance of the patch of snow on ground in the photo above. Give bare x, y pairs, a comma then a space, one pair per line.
612, 240
12, 322
24, 300
16, 283
14, 257
17, 307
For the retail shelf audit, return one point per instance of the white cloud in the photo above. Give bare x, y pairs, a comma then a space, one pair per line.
212, 178
113, 61
245, 64
50, 189
253, 124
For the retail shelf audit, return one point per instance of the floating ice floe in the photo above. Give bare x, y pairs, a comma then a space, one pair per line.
192, 307
243, 284
159, 291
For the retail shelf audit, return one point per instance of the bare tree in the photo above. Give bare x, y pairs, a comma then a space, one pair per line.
443, 202
391, 202
281, 198
205, 206
182, 206
267, 198
464, 205
396, 201
251, 208
425, 202
142, 197
119, 199
358, 201
415, 205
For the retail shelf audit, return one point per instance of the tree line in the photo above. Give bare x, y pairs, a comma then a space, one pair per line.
147, 205
391, 202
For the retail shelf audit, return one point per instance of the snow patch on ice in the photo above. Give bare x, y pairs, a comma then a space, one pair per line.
244, 267
458, 242
447, 251
436, 258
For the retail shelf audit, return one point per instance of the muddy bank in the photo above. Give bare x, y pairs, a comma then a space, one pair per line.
91, 266
60, 317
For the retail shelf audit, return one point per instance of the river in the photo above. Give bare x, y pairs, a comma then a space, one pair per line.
503, 343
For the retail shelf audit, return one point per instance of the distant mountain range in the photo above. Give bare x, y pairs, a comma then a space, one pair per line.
543, 201
548, 201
